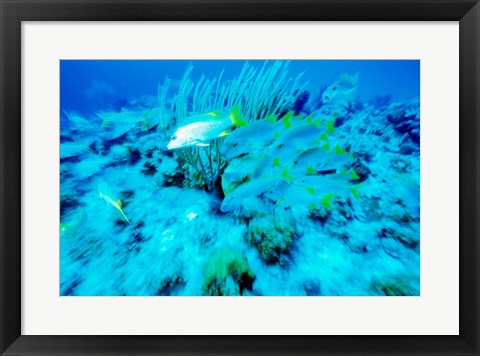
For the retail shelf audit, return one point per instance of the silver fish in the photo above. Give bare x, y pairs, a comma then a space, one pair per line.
200, 130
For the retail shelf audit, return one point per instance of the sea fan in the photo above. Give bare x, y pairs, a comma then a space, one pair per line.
260, 92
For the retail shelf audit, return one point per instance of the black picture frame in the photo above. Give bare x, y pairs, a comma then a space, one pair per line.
13, 12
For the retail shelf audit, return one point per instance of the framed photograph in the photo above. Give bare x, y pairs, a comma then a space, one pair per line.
239, 177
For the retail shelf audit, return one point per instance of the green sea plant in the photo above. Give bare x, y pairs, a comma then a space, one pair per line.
205, 164
395, 286
260, 90
273, 235
227, 273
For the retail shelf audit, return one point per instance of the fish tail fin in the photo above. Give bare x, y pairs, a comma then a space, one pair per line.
356, 77
311, 170
119, 207
105, 122
67, 114
236, 117
354, 175
354, 190
125, 217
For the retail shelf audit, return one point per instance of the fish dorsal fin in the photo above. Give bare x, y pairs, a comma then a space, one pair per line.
119, 203
215, 113
322, 137
236, 117
350, 79
276, 162
325, 147
287, 119
339, 151
286, 175
330, 125
344, 173
271, 118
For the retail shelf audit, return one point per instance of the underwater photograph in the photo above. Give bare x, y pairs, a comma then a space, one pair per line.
239, 178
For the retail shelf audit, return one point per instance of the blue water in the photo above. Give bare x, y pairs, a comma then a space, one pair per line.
240, 178
86, 86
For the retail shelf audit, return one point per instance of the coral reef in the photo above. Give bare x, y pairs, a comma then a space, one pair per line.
259, 93
248, 181
273, 235
394, 286
227, 272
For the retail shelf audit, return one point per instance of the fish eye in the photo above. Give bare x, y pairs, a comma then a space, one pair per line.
334, 88
174, 137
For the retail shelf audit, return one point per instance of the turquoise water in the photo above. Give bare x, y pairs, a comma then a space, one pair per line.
277, 178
